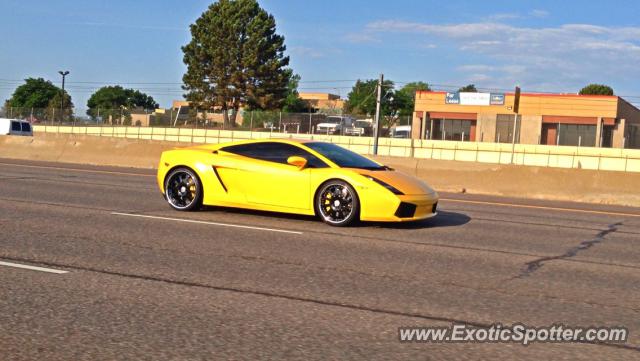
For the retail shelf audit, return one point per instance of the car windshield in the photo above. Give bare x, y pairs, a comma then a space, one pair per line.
333, 120
343, 157
362, 124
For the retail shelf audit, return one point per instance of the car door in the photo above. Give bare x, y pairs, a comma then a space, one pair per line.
266, 178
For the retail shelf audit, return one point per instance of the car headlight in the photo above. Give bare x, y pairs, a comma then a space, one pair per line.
391, 188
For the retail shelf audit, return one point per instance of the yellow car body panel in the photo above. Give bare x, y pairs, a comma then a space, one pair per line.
232, 180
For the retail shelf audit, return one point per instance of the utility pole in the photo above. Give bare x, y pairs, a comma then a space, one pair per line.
376, 131
64, 75
516, 110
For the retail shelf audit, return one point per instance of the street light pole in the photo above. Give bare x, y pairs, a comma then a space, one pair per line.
64, 75
376, 130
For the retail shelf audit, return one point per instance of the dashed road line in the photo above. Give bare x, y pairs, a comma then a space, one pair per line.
79, 170
206, 222
32, 268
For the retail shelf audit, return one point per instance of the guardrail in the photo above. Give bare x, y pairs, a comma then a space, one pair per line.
611, 159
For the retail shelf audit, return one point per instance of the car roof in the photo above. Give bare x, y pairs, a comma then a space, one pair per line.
281, 140
254, 141
14, 120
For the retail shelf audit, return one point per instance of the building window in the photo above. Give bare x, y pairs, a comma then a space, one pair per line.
452, 129
504, 128
577, 135
607, 136
633, 136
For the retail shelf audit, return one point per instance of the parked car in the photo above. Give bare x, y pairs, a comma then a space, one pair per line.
334, 125
401, 131
270, 126
360, 128
15, 127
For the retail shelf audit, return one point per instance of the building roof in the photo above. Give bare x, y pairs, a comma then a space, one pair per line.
318, 96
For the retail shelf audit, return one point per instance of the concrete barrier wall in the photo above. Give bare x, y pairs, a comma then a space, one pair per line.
83, 149
580, 185
626, 160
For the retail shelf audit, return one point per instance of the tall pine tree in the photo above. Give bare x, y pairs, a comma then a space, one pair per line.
235, 58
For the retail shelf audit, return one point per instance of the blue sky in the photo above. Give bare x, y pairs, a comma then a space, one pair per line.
541, 45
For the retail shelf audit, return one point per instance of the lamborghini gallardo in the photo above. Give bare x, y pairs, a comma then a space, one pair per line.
293, 176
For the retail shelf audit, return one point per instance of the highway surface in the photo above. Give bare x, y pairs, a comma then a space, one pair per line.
144, 282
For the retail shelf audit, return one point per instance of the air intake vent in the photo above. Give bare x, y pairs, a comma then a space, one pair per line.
406, 210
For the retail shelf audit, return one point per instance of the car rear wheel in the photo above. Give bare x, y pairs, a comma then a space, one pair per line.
183, 190
337, 203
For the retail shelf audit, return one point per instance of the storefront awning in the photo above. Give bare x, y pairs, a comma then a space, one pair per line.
576, 120
453, 115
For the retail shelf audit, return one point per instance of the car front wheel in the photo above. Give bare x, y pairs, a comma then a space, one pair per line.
337, 203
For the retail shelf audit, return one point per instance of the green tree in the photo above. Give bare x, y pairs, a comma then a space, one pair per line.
471, 88
292, 102
109, 102
55, 103
596, 89
37, 93
137, 99
40, 97
361, 100
404, 98
235, 58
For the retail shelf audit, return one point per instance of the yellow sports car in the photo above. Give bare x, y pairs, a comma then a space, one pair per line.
293, 176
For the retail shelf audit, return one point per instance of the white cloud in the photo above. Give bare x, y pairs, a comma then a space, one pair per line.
504, 16
360, 38
304, 51
478, 78
567, 54
538, 13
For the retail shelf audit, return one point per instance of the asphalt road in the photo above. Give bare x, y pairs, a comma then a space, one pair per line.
144, 282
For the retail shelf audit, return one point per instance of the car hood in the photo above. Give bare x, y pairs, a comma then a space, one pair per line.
328, 125
405, 183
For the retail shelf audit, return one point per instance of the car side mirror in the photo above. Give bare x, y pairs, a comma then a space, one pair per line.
297, 161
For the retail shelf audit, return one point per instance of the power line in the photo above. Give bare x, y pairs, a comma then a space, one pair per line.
175, 88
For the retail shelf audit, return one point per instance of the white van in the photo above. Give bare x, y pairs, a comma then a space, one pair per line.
401, 131
334, 125
15, 127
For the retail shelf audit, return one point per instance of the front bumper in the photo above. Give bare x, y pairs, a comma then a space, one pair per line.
351, 131
327, 131
401, 208
407, 211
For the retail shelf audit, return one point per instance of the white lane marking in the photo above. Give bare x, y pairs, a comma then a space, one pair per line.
542, 207
32, 268
206, 222
79, 170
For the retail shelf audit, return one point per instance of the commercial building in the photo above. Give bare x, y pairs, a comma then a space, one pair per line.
182, 108
552, 119
323, 102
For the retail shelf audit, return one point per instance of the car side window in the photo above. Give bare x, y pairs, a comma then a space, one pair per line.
26, 127
15, 126
274, 152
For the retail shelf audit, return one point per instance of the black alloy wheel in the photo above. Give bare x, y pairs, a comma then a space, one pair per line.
183, 190
337, 203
